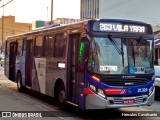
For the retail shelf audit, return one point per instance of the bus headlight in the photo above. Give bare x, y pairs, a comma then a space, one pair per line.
92, 87
100, 93
151, 90
97, 90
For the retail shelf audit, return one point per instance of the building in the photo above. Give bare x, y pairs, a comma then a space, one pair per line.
89, 9
44, 24
141, 10
9, 27
37, 24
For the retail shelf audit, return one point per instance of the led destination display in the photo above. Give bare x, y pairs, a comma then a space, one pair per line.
119, 27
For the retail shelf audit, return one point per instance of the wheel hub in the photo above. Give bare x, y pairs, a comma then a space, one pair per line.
19, 84
61, 96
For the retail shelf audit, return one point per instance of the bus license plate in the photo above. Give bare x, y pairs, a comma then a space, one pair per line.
128, 101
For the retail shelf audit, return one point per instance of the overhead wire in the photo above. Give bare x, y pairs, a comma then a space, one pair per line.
6, 3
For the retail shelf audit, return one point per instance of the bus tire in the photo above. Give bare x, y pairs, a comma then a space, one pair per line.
20, 87
61, 96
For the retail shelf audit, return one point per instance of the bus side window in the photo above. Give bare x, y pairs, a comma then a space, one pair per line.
19, 49
63, 45
48, 45
59, 45
38, 46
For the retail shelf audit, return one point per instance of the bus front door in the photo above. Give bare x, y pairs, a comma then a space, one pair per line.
12, 60
72, 70
28, 63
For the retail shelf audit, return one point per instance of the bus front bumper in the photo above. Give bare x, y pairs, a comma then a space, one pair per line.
94, 101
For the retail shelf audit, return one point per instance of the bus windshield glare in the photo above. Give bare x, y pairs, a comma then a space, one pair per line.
109, 55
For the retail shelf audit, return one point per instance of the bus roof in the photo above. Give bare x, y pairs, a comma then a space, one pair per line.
81, 22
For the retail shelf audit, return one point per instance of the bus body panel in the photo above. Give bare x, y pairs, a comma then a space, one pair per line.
45, 74
22, 68
6, 64
114, 96
55, 69
123, 90
38, 75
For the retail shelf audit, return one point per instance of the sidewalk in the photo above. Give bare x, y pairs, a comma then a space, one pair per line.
4, 81
11, 100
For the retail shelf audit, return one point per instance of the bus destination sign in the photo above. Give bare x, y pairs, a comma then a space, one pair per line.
118, 27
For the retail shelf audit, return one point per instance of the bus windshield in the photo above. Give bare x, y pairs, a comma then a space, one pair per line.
109, 55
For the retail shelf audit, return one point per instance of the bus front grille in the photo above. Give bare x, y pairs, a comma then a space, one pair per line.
125, 82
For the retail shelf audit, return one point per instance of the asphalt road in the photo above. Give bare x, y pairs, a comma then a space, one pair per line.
13, 101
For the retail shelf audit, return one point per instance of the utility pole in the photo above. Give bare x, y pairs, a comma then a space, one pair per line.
51, 11
2, 26
3, 21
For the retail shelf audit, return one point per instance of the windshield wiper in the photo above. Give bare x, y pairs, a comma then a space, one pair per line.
122, 54
119, 50
111, 38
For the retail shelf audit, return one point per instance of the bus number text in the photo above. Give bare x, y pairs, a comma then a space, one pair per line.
142, 89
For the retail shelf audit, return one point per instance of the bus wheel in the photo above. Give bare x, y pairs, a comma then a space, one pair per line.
61, 95
19, 83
